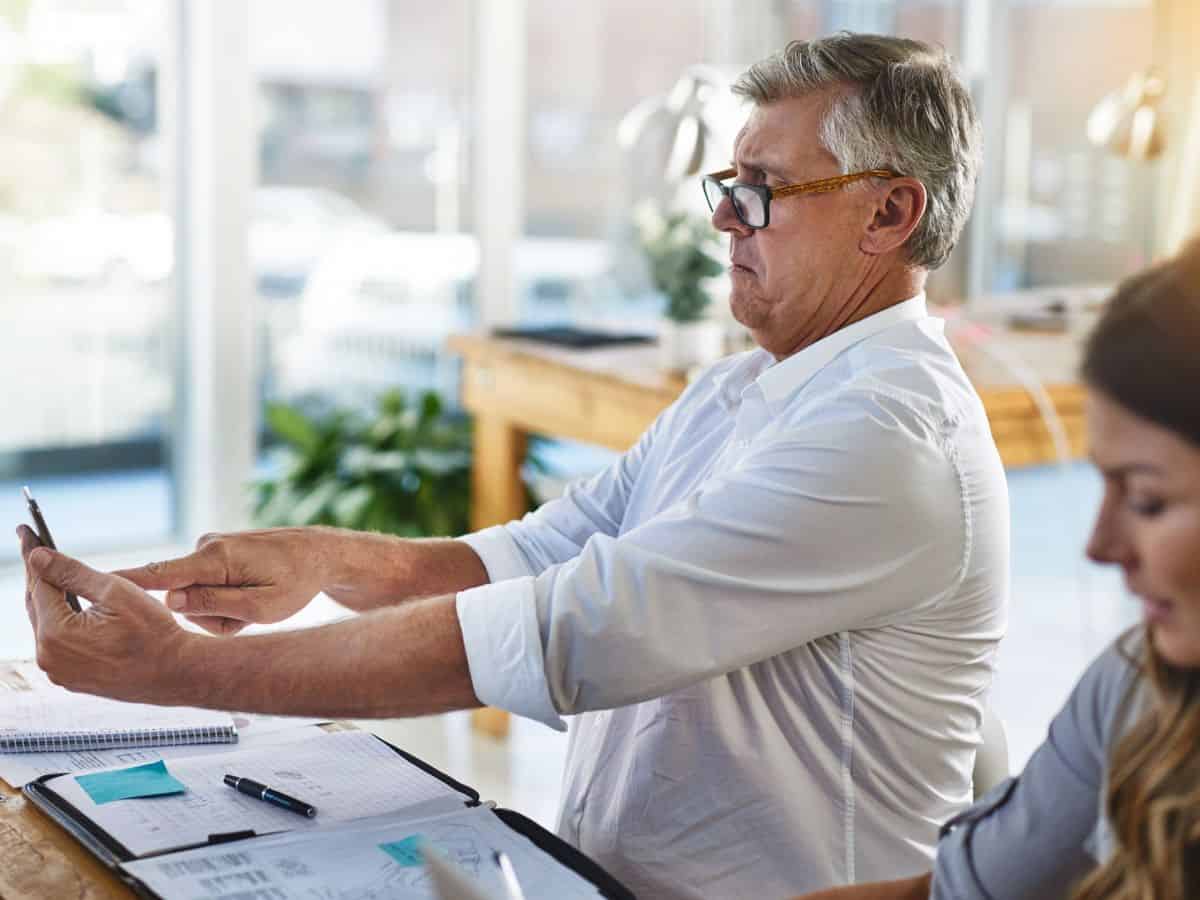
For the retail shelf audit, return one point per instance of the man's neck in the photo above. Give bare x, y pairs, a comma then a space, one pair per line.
895, 287
870, 298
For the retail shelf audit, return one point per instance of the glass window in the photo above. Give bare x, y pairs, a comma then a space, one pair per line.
85, 260
360, 240
586, 72
1065, 212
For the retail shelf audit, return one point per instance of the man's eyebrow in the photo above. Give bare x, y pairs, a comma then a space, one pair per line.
765, 166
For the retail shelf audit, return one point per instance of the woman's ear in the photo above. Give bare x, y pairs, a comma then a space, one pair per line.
899, 209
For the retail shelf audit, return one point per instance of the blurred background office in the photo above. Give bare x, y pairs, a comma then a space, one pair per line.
222, 222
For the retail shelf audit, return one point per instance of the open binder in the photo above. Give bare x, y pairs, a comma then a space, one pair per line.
131, 860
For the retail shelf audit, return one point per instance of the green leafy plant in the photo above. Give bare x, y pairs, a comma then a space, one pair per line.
406, 470
680, 250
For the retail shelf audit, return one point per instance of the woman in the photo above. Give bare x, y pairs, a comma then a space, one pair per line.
1109, 805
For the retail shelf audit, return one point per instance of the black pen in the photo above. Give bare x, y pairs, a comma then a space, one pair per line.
253, 788
43, 533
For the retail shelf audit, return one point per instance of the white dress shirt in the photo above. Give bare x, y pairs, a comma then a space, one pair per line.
774, 618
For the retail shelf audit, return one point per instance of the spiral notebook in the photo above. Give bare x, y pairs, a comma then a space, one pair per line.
49, 718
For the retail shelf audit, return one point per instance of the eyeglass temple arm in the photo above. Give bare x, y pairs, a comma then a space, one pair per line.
830, 184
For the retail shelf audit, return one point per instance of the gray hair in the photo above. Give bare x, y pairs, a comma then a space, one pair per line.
901, 107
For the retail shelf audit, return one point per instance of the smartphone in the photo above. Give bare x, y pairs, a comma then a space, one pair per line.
43, 533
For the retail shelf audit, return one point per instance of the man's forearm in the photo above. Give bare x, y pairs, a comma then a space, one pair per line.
405, 661
369, 571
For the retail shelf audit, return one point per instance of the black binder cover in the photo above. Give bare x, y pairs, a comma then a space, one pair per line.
112, 853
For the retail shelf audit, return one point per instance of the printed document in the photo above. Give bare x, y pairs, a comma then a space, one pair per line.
345, 775
353, 861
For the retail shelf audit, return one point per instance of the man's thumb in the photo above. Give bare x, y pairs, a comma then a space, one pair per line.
66, 573
245, 604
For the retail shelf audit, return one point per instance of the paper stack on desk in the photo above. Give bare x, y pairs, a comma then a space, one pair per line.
346, 775
49, 718
378, 810
354, 861
44, 705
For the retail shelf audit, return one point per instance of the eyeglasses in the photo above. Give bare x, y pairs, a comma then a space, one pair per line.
752, 202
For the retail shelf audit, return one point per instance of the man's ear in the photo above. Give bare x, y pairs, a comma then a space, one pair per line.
898, 211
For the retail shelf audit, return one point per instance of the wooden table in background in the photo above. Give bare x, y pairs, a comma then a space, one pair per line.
609, 396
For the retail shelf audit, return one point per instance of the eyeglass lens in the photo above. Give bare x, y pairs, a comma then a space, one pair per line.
748, 203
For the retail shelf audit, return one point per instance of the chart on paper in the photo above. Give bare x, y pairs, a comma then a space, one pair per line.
360, 862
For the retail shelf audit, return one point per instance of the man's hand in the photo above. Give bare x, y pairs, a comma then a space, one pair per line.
232, 580
125, 645
408, 660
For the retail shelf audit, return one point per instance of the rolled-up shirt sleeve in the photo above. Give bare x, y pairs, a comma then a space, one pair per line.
855, 522
504, 650
558, 530
499, 553
499, 620
1032, 836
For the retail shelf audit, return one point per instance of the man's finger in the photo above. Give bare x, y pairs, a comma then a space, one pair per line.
173, 574
30, 610
45, 590
29, 540
29, 543
244, 604
217, 625
69, 574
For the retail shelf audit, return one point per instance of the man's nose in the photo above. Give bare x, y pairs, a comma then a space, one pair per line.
724, 218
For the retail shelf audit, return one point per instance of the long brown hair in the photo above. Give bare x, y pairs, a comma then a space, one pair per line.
1145, 354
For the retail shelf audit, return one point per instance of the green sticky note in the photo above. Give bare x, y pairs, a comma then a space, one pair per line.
150, 780
406, 852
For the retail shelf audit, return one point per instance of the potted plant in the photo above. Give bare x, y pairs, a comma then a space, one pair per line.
680, 251
405, 470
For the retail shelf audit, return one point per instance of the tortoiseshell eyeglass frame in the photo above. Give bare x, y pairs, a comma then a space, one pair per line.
821, 186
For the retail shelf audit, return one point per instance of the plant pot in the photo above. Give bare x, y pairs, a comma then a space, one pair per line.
682, 345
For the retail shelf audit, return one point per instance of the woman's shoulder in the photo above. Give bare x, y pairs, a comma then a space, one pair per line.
1100, 705
1034, 833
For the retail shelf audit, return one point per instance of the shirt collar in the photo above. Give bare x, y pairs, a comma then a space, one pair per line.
734, 381
790, 374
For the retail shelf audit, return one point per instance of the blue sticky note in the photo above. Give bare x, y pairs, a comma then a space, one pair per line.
406, 852
150, 780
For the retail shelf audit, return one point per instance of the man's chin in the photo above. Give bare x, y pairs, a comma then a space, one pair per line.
746, 311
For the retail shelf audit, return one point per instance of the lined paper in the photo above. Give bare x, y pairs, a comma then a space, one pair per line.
345, 775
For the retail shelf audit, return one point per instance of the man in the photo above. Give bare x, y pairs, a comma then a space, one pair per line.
774, 618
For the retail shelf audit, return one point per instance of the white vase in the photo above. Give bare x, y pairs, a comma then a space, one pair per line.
682, 345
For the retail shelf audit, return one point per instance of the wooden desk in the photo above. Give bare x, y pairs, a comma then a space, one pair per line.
37, 857
610, 396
